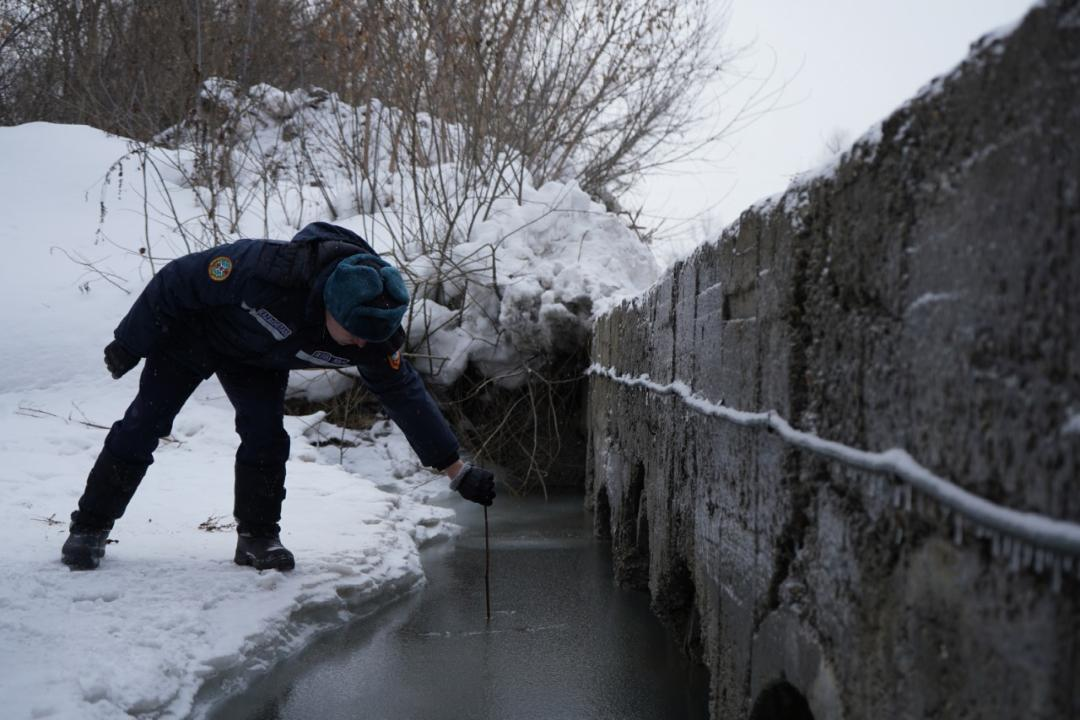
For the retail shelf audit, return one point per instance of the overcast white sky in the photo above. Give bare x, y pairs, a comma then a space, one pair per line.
847, 64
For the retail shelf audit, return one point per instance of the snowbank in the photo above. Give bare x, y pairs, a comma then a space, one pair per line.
167, 612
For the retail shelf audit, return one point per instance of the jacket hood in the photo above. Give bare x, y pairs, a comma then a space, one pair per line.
322, 231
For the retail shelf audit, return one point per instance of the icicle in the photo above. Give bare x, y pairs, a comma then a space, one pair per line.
899, 535
1068, 561
896, 497
907, 498
1039, 561
958, 529
1014, 556
1056, 582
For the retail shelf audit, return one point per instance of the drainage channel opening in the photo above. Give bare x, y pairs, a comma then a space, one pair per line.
780, 700
602, 516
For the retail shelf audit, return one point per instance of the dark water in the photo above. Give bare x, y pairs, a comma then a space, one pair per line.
563, 641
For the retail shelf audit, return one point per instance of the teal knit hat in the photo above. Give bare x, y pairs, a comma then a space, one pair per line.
367, 296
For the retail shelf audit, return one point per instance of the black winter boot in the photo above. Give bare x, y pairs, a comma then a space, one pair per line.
85, 545
259, 492
262, 549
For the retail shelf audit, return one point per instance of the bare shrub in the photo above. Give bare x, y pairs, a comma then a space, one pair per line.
589, 89
131, 67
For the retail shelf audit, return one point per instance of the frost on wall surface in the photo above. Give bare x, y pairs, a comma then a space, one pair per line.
918, 295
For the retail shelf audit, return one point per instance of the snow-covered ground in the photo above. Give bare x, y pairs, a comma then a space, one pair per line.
167, 611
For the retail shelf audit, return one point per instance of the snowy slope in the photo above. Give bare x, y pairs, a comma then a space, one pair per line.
167, 611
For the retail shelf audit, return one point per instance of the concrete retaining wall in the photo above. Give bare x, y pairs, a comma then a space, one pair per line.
924, 295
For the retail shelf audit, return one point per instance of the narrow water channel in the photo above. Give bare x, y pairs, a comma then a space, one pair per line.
563, 641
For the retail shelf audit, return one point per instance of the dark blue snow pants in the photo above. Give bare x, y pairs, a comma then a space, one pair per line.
257, 394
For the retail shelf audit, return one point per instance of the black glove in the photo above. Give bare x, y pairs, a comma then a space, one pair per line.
475, 484
118, 360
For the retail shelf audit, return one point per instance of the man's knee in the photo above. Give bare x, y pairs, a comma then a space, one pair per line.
263, 447
164, 387
132, 442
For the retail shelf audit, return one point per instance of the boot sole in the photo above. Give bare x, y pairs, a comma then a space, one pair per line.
247, 559
83, 562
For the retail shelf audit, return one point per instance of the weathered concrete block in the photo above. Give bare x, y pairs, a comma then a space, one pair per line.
921, 295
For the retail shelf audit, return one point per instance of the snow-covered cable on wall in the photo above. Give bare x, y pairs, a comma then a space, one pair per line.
1038, 530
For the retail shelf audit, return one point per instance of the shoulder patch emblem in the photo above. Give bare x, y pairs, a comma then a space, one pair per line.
394, 360
220, 268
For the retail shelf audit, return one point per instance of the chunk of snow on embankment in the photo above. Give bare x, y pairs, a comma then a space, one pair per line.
1039, 530
538, 273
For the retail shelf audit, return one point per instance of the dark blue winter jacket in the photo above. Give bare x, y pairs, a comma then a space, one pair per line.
260, 302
